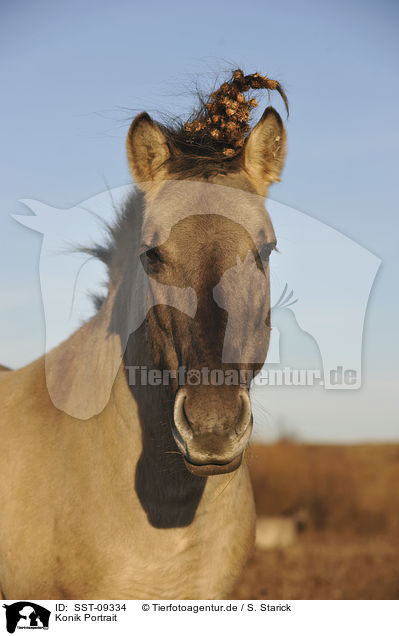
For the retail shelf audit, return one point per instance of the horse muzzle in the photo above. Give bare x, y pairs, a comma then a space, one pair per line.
212, 427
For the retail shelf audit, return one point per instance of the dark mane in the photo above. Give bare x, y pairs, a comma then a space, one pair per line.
212, 140
120, 237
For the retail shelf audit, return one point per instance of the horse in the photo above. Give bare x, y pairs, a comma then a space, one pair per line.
122, 460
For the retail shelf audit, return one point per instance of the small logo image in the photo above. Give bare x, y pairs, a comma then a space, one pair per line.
26, 615
193, 377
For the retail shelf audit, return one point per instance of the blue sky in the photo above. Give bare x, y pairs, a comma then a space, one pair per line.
73, 74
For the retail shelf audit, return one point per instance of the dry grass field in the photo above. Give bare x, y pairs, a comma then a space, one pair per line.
347, 498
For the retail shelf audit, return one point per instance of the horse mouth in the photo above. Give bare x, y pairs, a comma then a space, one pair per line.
205, 470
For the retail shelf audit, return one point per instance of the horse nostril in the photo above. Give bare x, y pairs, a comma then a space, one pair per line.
244, 418
182, 425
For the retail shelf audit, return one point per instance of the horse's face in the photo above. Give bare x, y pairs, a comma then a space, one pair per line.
215, 240
212, 240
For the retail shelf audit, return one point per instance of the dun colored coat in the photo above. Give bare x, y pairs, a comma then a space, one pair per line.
112, 489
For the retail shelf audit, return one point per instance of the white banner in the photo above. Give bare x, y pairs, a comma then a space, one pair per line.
193, 617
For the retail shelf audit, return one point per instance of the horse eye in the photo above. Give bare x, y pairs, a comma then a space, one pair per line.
266, 251
153, 256
151, 260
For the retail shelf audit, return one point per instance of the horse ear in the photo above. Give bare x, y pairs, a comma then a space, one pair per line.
147, 149
265, 150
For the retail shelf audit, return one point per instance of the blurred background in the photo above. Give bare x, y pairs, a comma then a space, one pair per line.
73, 75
